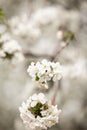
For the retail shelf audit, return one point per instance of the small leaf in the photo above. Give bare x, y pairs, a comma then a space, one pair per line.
1, 14
37, 78
69, 35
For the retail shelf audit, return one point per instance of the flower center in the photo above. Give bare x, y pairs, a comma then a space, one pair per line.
36, 110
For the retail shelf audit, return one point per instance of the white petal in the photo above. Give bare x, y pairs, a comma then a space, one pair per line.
33, 103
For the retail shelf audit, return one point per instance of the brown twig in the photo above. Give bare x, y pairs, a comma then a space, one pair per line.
30, 54
57, 84
52, 58
59, 51
55, 92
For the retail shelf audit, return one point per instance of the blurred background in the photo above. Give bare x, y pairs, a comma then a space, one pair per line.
15, 84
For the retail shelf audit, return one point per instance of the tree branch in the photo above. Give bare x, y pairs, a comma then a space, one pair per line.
30, 54
57, 84
59, 51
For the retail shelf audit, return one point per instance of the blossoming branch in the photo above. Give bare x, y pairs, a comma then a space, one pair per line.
39, 113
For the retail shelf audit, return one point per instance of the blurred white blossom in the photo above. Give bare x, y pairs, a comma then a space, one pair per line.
4, 37
30, 26
45, 15
10, 49
24, 27
2, 54
60, 35
44, 71
2, 28
39, 113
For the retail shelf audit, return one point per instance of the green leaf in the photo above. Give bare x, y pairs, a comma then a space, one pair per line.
37, 78
69, 35
1, 14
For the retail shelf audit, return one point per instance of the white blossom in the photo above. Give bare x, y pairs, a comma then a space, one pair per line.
2, 54
44, 71
30, 26
18, 57
60, 35
39, 113
45, 16
24, 27
5, 37
2, 28
10, 49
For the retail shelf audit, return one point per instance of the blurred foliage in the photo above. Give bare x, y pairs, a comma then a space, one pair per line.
1, 14
8, 55
69, 35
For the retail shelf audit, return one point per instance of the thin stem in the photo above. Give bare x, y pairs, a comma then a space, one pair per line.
52, 58
57, 85
59, 51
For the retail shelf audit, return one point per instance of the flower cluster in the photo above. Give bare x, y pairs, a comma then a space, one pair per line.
24, 27
39, 113
31, 27
44, 71
45, 16
10, 49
